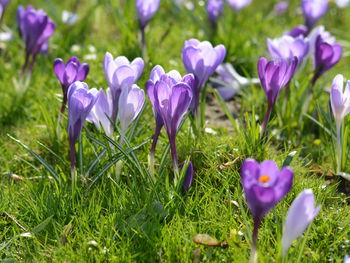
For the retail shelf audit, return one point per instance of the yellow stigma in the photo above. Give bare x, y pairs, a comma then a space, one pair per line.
264, 179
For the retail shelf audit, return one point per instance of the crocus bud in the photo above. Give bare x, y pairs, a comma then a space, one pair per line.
238, 4
340, 98
35, 27
287, 47
146, 10
313, 10
121, 73
172, 98
299, 30
3, 5
130, 104
300, 215
214, 10
201, 59
101, 112
80, 102
326, 56
68, 73
188, 179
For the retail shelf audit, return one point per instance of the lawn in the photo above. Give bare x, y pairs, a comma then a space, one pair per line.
117, 211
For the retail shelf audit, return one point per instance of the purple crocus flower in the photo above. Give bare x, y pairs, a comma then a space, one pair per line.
287, 48
299, 30
326, 56
68, 73
36, 28
146, 10
214, 9
313, 10
172, 98
264, 186
274, 76
156, 74
281, 7
300, 214
238, 4
3, 5
130, 104
201, 59
121, 73
80, 102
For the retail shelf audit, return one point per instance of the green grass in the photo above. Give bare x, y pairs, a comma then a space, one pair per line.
135, 219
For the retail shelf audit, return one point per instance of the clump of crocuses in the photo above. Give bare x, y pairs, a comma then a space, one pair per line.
340, 103
69, 72
171, 96
201, 59
274, 76
300, 214
264, 186
36, 28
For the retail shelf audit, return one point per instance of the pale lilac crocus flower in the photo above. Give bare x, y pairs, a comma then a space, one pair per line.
214, 10
299, 30
201, 59
346, 259
301, 213
342, 3
287, 47
121, 74
313, 10
237, 5
130, 104
281, 7
229, 82
340, 103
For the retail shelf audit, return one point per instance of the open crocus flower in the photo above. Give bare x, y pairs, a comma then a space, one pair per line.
101, 112
238, 4
326, 55
229, 81
156, 74
340, 103
313, 10
146, 10
300, 215
172, 98
274, 76
80, 102
299, 30
342, 4
287, 47
68, 73
121, 73
264, 186
130, 104
36, 28
201, 59
214, 10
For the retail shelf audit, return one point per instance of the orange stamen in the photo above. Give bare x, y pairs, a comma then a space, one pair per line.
264, 179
